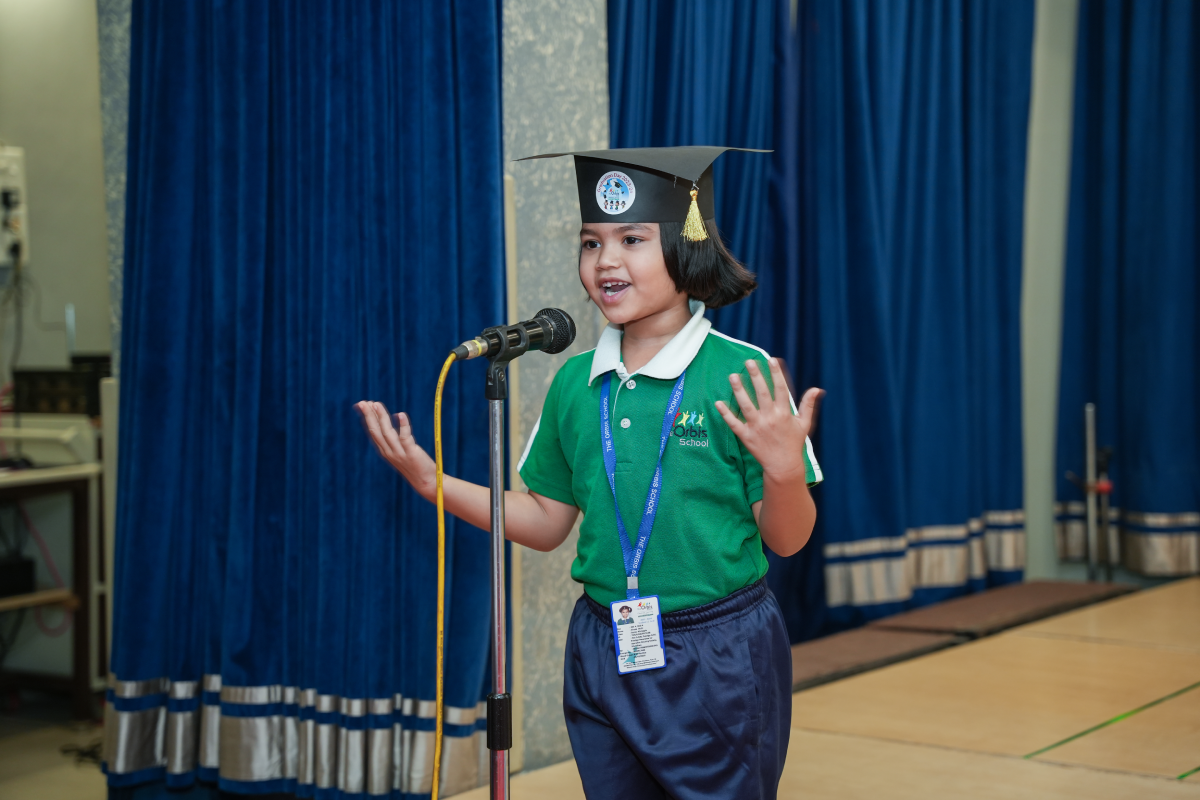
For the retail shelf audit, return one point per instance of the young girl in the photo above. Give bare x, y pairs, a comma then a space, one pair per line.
684, 464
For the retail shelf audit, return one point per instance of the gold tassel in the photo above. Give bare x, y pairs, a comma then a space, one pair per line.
693, 226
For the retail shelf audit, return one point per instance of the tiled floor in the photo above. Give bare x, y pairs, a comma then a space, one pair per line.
32, 766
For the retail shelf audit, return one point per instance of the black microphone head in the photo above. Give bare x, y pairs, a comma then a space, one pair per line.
562, 329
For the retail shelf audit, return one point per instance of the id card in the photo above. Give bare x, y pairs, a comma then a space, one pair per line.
637, 634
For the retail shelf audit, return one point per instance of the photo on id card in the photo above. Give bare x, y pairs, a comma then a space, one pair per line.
637, 633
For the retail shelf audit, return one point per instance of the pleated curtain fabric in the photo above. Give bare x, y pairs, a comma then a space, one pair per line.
1131, 340
702, 73
313, 218
683, 73
909, 165
886, 236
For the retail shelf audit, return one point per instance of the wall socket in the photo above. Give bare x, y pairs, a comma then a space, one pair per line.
14, 209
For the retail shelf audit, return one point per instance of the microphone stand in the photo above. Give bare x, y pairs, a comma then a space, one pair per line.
499, 702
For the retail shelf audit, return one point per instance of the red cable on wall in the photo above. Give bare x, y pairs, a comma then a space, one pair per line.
62, 627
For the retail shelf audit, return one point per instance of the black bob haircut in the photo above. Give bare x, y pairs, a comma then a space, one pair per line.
706, 270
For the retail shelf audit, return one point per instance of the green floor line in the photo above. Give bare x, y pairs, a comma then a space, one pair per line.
1114, 720
1188, 774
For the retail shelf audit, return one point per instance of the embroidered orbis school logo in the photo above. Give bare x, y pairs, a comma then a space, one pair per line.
689, 429
615, 193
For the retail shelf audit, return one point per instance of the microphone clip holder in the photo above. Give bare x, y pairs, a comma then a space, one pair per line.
497, 374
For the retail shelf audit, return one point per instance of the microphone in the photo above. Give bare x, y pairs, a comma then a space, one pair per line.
551, 330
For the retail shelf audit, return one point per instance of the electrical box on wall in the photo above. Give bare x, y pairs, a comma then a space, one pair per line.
14, 213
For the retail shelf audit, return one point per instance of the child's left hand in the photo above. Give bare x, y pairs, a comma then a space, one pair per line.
771, 432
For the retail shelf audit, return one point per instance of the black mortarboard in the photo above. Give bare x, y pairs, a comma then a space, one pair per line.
648, 184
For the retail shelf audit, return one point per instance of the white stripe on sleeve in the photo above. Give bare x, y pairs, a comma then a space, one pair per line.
818, 476
529, 444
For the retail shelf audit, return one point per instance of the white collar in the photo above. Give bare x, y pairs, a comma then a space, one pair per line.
668, 364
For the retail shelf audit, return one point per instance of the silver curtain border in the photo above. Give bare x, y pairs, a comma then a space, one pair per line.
935, 556
1151, 544
354, 758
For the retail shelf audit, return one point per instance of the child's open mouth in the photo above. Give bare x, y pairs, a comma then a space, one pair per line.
613, 289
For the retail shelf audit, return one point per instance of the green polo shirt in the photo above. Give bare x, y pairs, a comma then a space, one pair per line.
705, 544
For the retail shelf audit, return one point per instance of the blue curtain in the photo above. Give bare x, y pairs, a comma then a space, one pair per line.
312, 217
682, 72
909, 157
1131, 340
688, 72
886, 235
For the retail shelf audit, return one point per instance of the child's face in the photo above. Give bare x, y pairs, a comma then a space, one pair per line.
621, 266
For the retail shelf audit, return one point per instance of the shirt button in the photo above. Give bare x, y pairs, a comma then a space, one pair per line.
625, 423
631, 384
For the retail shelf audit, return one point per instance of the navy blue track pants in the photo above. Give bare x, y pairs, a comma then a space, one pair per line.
713, 723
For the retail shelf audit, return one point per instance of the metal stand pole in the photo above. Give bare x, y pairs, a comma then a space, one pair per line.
1107, 551
499, 702
1109, 546
1093, 549
502, 344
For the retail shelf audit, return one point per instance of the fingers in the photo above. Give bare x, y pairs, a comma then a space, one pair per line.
397, 446
738, 427
366, 412
362, 414
389, 432
807, 411
749, 410
780, 383
403, 426
387, 439
761, 390
379, 427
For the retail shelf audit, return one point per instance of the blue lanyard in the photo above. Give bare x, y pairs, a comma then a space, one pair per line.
631, 554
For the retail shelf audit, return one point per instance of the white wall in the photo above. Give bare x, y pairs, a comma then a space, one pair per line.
50, 105
1047, 176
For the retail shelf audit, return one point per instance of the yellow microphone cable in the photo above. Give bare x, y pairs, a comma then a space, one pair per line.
441, 580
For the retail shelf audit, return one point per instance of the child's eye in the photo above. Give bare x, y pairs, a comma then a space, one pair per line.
631, 240
590, 244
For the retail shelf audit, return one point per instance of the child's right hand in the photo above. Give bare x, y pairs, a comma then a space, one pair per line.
399, 447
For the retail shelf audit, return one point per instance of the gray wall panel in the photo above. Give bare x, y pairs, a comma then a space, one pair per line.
555, 98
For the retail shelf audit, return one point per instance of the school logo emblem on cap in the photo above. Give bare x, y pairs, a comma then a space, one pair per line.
615, 193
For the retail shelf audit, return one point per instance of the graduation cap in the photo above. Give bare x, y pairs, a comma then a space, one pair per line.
648, 184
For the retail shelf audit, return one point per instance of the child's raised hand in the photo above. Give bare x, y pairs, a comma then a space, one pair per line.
399, 447
771, 432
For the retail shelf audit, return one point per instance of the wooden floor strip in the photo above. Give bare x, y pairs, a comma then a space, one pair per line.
1113, 721
1006, 694
823, 766
1163, 740
1167, 615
